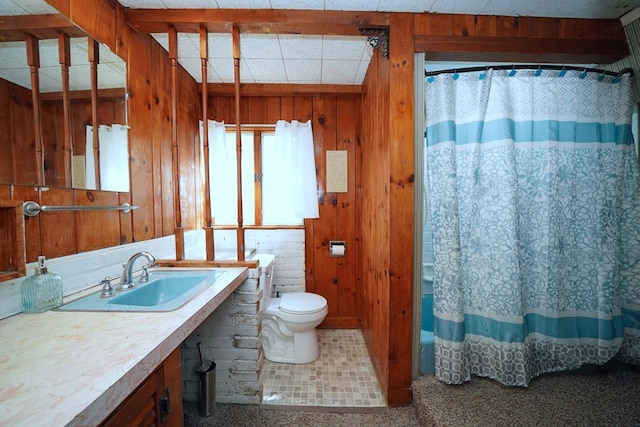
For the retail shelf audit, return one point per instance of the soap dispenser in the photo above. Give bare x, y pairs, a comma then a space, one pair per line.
42, 291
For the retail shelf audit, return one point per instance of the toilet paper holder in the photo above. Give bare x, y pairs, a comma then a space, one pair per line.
337, 248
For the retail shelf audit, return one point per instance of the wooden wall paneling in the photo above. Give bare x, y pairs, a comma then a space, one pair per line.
507, 26
12, 251
346, 136
485, 26
287, 108
6, 190
434, 24
257, 110
464, 25
33, 245
6, 134
530, 26
97, 229
519, 39
80, 119
273, 111
126, 222
374, 215
325, 278
53, 141
139, 76
401, 197
302, 108
161, 143
189, 136
223, 109
23, 137
58, 230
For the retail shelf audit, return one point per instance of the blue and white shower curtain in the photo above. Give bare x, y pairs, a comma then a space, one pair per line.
533, 188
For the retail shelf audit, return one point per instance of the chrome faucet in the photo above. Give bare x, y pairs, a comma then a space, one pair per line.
126, 280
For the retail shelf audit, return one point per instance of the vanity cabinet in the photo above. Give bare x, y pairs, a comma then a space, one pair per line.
147, 405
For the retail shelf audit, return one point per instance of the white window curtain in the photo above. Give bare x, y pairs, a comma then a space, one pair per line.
89, 161
223, 175
293, 174
114, 158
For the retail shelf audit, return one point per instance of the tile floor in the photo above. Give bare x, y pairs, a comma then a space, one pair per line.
342, 378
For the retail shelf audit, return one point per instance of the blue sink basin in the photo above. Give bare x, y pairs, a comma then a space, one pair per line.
165, 291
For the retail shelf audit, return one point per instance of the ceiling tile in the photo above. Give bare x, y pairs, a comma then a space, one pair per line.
455, 6
49, 53
220, 45
416, 6
25, 7
14, 55
339, 72
244, 4
301, 46
266, 70
260, 46
10, 8
351, 4
303, 70
143, 4
188, 45
298, 4
193, 66
337, 47
50, 79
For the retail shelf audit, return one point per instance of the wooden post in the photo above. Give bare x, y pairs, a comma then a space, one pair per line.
208, 229
33, 59
94, 60
64, 55
236, 79
177, 212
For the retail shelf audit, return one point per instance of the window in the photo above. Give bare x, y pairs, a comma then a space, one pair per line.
260, 165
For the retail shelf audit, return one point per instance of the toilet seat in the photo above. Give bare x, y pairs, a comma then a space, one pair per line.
302, 303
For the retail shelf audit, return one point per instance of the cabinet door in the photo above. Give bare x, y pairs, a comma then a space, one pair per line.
173, 383
142, 407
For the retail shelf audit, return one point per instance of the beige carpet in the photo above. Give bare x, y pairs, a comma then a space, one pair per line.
597, 398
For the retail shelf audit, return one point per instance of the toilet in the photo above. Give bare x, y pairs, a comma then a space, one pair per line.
289, 323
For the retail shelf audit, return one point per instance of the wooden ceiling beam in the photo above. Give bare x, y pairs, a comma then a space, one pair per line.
256, 21
47, 26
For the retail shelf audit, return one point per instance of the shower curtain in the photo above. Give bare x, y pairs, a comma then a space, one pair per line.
533, 190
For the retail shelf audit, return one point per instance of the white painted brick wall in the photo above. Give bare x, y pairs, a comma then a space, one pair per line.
231, 335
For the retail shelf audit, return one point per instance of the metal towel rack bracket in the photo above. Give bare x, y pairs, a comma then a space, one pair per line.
33, 208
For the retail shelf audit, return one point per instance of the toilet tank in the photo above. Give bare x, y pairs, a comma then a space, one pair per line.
267, 262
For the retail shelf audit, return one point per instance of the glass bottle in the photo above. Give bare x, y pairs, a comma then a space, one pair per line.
42, 291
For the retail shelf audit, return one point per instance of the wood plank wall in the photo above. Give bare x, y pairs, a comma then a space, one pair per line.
55, 234
335, 123
375, 215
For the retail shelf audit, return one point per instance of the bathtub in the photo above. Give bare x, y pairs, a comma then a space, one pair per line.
427, 360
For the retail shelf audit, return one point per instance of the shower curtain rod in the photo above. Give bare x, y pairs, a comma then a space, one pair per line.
531, 67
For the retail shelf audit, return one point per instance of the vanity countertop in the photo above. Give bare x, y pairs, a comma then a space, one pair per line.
62, 368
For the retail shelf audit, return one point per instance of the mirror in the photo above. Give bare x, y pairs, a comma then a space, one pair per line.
71, 156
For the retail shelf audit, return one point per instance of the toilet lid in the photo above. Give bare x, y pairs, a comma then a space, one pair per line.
302, 303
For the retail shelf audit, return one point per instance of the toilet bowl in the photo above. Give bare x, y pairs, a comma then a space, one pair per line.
289, 324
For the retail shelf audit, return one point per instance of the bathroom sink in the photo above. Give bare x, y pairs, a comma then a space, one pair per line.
165, 291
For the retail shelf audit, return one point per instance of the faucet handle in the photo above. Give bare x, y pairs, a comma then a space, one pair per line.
144, 277
107, 290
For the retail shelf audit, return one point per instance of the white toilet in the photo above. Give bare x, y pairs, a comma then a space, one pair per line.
289, 323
